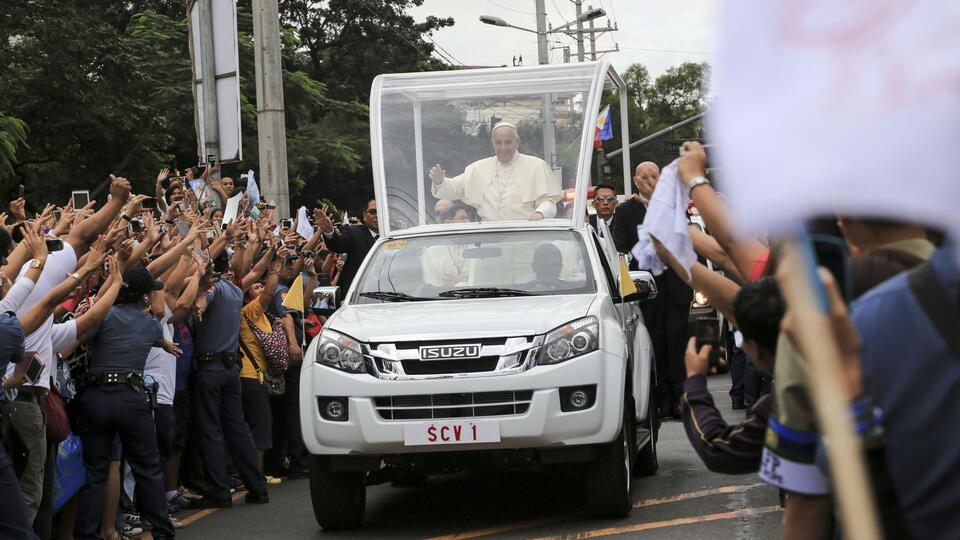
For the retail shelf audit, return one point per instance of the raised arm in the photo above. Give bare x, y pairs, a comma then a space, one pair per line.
744, 252
720, 290
105, 300
162, 263
40, 311
258, 269
85, 233
186, 300
707, 246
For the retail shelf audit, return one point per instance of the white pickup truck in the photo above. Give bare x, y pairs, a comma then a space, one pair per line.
498, 343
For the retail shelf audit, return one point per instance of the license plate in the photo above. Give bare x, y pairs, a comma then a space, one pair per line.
442, 433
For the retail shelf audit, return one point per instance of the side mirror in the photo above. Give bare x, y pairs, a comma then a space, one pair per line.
645, 284
325, 298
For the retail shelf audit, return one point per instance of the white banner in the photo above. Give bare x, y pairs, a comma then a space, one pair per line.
829, 106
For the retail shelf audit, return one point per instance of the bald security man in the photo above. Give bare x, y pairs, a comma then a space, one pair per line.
666, 316
507, 186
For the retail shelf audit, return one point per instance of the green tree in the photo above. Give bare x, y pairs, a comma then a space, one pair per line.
677, 94
13, 134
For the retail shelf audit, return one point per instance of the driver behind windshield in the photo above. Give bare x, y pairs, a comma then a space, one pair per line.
547, 266
506, 186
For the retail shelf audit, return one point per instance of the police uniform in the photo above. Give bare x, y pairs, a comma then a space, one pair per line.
14, 516
219, 410
113, 401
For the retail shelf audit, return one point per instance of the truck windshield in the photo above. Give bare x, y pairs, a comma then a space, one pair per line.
477, 265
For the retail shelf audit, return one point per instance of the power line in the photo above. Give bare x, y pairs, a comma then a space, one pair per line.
412, 44
448, 53
511, 9
554, 2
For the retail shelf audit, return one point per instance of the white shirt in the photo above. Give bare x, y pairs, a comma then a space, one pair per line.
504, 191
161, 365
59, 264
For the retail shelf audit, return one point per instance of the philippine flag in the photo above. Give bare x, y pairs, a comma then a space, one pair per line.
604, 130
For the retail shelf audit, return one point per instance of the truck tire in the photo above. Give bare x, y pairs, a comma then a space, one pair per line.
339, 498
646, 463
609, 479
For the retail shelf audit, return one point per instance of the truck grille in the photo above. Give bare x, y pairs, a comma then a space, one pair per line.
496, 356
439, 406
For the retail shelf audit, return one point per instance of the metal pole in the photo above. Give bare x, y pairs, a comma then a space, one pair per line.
593, 39
579, 4
659, 134
566, 55
271, 124
549, 135
543, 56
208, 81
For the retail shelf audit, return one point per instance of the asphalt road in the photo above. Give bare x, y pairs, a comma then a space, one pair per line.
683, 500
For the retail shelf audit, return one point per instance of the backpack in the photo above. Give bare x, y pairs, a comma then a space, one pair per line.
275, 348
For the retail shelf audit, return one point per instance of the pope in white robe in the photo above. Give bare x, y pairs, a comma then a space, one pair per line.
506, 186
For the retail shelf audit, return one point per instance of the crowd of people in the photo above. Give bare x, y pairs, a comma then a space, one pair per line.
159, 331
159, 336
892, 305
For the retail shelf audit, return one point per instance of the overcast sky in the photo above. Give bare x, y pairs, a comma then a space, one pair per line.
656, 33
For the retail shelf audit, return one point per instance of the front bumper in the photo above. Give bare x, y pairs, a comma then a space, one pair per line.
543, 425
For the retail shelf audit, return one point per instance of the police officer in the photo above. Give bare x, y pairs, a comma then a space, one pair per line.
219, 411
14, 517
113, 401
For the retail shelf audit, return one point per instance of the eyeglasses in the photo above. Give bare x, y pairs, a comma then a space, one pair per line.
372, 211
607, 199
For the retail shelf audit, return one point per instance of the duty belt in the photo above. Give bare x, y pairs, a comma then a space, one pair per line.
132, 378
229, 358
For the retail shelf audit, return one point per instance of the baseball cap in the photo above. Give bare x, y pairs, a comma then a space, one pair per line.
139, 281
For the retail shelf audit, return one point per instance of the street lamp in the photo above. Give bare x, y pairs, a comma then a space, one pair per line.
588, 15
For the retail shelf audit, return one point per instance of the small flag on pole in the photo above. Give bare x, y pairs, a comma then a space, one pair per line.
604, 130
294, 298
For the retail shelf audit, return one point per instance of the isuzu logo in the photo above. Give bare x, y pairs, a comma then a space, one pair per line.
450, 352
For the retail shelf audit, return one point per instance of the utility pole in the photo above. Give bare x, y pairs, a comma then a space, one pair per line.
593, 40
271, 125
208, 77
579, 4
566, 55
543, 55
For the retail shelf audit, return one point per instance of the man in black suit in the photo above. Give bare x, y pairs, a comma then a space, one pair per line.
666, 316
604, 202
354, 240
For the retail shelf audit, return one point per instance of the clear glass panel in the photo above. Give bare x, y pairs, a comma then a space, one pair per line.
477, 264
446, 120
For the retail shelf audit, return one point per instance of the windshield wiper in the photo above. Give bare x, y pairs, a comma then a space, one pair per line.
483, 292
392, 296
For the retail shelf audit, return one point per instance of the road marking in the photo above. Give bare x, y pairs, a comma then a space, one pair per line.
192, 518
639, 527
698, 494
496, 530
640, 504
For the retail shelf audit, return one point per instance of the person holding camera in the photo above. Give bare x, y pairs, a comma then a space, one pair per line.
217, 367
734, 449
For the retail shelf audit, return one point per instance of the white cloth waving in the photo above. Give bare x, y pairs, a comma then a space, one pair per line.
666, 220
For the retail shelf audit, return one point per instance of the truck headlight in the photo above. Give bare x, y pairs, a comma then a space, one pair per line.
571, 340
339, 351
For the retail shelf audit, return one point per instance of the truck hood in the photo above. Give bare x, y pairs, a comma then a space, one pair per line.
462, 318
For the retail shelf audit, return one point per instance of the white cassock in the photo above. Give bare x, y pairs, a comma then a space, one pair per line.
512, 191
444, 266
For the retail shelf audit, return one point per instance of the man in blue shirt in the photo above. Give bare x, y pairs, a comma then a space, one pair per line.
219, 410
912, 372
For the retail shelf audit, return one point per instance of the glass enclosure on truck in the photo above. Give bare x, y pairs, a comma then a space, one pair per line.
480, 145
